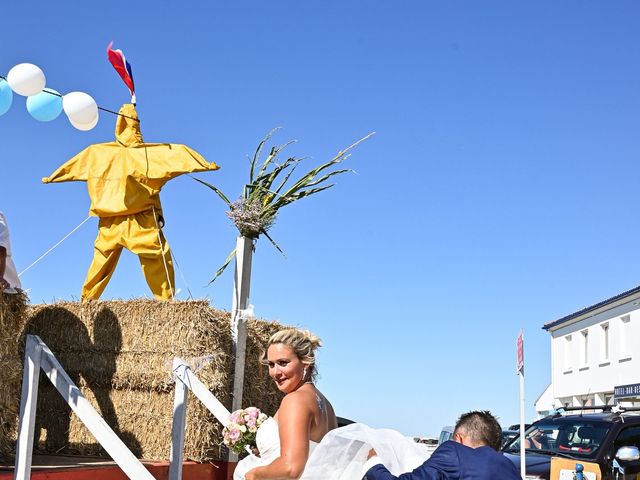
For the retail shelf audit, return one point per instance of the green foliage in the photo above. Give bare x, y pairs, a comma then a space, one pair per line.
269, 189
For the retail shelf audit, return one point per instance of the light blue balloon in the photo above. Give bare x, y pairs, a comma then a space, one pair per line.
45, 106
6, 97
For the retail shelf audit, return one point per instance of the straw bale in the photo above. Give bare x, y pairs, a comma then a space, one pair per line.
12, 318
106, 342
141, 419
119, 354
259, 390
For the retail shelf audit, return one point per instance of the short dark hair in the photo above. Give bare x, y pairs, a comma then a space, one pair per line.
481, 427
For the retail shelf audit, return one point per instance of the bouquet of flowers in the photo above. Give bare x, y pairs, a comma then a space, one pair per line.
240, 433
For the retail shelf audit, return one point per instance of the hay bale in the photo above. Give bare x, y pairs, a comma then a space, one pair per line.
259, 390
119, 354
141, 419
107, 342
12, 319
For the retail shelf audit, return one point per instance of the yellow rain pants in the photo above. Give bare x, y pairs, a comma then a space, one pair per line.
139, 234
124, 179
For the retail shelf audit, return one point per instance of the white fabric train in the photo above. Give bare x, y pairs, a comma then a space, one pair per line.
341, 453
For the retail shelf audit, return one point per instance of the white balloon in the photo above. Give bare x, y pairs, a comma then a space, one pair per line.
26, 79
80, 107
85, 126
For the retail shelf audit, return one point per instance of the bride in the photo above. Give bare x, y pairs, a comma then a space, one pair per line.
304, 417
301, 440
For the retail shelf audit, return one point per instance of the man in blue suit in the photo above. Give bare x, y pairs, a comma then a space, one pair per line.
472, 455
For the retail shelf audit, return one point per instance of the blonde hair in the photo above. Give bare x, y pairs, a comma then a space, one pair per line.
302, 342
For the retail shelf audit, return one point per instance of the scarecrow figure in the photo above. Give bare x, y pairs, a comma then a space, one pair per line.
124, 179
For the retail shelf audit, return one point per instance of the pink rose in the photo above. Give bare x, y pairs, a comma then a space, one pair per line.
234, 435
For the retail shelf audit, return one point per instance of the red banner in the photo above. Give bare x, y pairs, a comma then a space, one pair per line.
520, 355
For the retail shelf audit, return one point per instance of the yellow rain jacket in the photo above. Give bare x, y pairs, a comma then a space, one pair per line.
124, 179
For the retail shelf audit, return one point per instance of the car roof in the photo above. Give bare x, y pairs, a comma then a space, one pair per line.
606, 417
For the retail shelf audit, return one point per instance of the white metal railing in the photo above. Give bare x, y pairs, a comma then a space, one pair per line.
186, 380
38, 356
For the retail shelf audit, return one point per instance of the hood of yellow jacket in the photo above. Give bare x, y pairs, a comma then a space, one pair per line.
128, 131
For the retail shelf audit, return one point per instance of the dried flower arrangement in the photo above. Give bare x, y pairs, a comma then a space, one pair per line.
269, 190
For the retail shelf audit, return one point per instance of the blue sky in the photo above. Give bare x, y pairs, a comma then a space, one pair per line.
494, 197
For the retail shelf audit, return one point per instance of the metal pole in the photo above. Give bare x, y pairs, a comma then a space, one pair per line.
523, 463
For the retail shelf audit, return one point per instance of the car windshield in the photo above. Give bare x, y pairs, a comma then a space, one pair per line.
508, 435
577, 438
446, 434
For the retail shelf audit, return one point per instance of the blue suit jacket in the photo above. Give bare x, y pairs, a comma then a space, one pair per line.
452, 460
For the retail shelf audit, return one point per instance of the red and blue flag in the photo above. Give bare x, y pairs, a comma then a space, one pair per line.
119, 62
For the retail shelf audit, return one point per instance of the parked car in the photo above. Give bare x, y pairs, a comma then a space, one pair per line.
430, 443
426, 440
342, 421
445, 434
508, 435
516, 426
610, 439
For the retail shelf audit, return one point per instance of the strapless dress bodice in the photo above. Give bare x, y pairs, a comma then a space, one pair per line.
268, 443
268, 439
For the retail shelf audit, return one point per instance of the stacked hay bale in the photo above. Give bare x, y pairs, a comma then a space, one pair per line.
12, 318
259, 389
119, 353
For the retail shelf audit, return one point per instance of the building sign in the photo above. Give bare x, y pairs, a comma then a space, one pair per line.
626, 391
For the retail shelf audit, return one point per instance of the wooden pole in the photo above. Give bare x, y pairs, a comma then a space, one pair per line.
178, 425
116, 449
241, 288
185, 381
28, 402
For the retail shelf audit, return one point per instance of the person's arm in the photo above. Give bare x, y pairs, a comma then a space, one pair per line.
534, 440
294, 425
167, 161
4, 245
3, 261
75, 168
444, 463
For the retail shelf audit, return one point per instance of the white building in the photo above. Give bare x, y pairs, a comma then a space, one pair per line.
593, 351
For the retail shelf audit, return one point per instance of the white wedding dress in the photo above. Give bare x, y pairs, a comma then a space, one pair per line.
341, 453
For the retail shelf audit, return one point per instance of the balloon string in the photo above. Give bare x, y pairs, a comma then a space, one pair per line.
99, 107
119, 114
